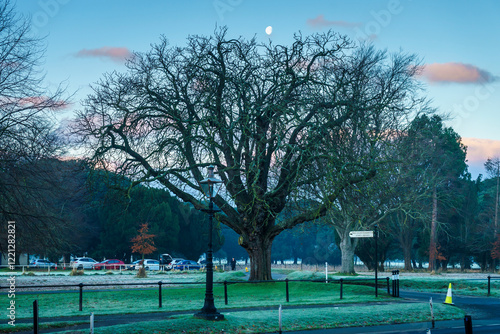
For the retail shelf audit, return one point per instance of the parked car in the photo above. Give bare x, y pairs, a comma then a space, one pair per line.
149, 264
41, 263
109, 264
83, 263
173, 262
165, 259
187, 265
132, 265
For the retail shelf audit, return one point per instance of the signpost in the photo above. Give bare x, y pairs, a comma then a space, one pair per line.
369, 234
361, 234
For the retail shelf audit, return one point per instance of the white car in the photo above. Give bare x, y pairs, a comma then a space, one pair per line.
83, 263
149, 264
41, 263
174, 262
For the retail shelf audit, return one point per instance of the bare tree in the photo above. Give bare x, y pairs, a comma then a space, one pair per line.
28, 137
380, 88
266, 115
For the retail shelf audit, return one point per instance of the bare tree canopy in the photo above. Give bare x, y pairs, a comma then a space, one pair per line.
274, 119
28, 139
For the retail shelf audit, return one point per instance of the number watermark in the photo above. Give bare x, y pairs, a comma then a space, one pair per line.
11, 260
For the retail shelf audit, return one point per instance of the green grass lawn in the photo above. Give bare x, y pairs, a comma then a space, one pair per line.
189, 298
468, 287
304, 319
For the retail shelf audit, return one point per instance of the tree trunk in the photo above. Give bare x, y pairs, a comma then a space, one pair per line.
347, 246
496, 201
407, 257
495, 230
406, 242
433, 246
259, 252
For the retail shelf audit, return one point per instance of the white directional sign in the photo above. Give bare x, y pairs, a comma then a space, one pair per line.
361, 234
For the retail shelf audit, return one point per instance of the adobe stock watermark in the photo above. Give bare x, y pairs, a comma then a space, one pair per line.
48, 10
471, 103
11, 281
381, 19
223, 6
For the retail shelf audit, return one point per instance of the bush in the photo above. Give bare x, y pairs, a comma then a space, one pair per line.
76, 272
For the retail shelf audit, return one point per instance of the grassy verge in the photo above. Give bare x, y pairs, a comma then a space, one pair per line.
466, 287
46, 325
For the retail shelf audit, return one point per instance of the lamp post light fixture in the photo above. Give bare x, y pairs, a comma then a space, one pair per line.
210, 187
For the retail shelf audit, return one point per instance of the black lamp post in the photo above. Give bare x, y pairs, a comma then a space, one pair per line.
210, 187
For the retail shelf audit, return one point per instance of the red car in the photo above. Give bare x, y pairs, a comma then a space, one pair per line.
109, 264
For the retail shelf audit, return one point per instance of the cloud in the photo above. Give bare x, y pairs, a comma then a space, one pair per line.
43, 102
478, 151
456, 73
321, 22
116, 54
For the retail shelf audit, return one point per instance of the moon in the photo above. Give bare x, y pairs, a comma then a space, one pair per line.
269, 30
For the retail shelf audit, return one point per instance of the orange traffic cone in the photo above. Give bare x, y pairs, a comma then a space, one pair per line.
448, 296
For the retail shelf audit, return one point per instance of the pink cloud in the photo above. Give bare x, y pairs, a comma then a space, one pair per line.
117, 54
455, 72
43, 102
478, 151
321, 22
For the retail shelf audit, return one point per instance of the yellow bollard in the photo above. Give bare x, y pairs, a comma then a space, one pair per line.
246, 269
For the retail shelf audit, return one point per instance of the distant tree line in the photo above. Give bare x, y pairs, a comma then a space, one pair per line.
114, 213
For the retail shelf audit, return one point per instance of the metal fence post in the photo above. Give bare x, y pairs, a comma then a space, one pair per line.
287, 294
92, 323
81, 296
489, 285
397, 283
394, 283
341, 287
225, 292
159, 294
376, 260
326, 272
388, 288
468, 324
35, 316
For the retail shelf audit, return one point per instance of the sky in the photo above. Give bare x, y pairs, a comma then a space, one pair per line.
457, 41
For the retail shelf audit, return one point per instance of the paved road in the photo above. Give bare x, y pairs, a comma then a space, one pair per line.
480, 308
484, 311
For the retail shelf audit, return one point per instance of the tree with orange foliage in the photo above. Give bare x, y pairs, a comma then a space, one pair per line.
495, 252
143, 243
